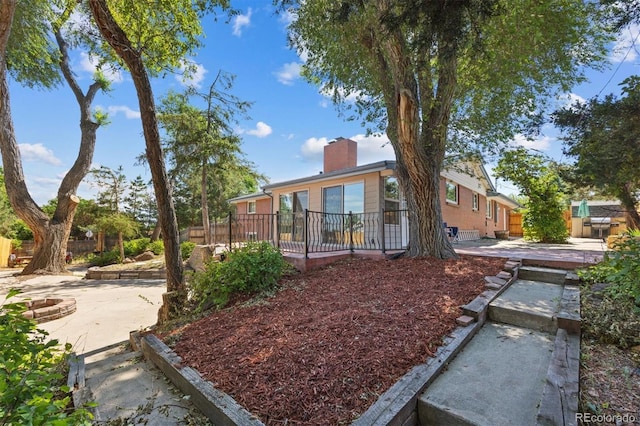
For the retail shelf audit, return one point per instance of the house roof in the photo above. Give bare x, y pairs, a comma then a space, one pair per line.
372, 167
504, 199
254, 196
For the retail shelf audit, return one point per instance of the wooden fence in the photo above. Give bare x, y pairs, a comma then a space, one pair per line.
515, 223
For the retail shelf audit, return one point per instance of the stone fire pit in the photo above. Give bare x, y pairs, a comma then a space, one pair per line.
49, 309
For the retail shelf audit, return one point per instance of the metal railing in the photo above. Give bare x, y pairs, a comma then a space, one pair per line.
316, 232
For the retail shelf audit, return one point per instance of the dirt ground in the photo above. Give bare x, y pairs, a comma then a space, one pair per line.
323, 349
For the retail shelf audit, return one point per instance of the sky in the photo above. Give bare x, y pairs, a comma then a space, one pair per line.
290, 120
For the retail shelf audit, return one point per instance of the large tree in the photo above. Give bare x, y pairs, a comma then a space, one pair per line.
602, 136
35, 56
201, 144
439, 76
151, 43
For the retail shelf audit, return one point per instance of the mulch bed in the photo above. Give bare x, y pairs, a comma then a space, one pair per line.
333, 340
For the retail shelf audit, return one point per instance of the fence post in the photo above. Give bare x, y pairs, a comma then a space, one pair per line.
277, 233
230, 227
305, 231
351, 231
384, 250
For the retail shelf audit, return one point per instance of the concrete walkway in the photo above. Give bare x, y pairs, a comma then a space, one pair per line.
577, 250
520, 368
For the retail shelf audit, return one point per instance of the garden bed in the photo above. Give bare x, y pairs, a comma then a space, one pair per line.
333, 340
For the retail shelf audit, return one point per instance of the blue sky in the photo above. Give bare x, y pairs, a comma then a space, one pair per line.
290, 121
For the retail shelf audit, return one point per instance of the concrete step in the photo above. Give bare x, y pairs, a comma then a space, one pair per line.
536, 273
530, 304
497, 379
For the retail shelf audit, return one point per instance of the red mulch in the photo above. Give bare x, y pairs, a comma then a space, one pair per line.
327, 346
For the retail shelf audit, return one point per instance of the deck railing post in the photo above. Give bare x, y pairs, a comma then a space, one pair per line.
277, 230
230, 231
384, 250
305, 231
351, 231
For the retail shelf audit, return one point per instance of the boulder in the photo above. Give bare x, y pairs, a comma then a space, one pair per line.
200, 256
143, 257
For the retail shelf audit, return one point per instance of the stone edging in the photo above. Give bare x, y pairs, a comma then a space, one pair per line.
96, 274
219, 407
398, 405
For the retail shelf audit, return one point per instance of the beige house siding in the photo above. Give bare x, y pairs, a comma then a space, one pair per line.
469, 181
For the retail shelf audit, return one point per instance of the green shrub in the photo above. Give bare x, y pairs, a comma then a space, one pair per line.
135, 247
186, 248
611, 295
255, 267
621, 268
105, 258
157, 247
33, 374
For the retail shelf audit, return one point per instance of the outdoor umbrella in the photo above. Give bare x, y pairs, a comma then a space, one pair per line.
583, 211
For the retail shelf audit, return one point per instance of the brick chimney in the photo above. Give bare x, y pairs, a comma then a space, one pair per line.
340, 154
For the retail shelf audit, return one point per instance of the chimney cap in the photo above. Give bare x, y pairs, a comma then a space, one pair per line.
339, 138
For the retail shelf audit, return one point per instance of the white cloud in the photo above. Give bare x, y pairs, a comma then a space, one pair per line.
241, 21
313, 148
623, 49
90, 64
191, 74
350, 98
262, 130
572, 98
128, 112
289, 73
287, 17
370, 148
540, 144
38, 152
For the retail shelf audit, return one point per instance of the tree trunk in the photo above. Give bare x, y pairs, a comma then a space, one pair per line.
204, 201
629, 203
118, 40
121, 246
50, 234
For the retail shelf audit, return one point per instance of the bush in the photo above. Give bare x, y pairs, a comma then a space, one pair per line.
32, 374
611, 296
186, 248
255, 267
105, 258
157, 247
135, 247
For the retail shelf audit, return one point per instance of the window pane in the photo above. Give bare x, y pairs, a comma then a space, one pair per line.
452, 192
332, 199
286, 203
391, 188
300, 201
354, 198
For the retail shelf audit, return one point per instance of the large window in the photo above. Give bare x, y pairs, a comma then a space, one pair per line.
452, 192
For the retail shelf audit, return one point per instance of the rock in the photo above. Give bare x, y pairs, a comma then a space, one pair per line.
200, 256
128, 260
142, 257
636, 349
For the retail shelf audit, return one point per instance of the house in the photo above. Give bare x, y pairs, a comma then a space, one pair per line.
471, 207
